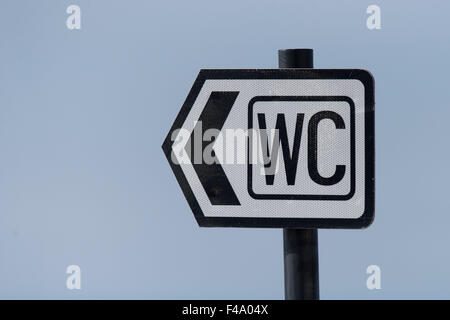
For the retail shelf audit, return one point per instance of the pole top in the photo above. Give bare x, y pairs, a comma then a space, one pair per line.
297, 50
295, 58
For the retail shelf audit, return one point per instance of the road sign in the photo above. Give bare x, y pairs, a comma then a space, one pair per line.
289, 148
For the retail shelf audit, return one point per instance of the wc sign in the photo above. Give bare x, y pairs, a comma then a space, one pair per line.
285, 148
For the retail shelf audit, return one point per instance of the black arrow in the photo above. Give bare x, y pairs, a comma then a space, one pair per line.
211, 176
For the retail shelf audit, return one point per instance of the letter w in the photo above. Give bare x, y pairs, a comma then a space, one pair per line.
290, 160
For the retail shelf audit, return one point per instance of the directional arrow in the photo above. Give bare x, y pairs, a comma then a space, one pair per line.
212, 176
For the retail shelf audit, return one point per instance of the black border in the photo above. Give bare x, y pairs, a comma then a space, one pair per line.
227, 74
347, 196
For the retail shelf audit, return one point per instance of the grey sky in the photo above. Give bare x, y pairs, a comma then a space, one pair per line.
83, 179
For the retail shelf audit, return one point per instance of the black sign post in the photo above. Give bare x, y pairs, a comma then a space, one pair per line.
301, 254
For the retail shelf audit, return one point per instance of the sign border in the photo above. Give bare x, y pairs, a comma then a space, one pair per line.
347, 196
286, 73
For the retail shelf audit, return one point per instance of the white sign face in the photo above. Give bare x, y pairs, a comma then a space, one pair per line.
277, 148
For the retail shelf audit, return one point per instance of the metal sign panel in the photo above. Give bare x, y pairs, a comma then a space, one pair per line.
286, 148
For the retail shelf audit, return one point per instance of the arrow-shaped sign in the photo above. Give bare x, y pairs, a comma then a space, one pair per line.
277, 148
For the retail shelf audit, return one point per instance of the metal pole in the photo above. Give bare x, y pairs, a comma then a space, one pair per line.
301, 256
